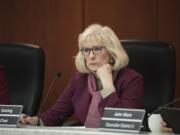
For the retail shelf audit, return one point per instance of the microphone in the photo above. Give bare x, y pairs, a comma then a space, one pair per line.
57, 76
165, 105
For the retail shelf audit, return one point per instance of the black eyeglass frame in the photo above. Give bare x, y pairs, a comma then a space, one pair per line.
95, 50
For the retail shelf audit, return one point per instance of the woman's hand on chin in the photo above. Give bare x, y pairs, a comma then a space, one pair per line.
104, 73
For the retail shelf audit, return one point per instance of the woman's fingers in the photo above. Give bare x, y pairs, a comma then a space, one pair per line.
25, 119
21, 119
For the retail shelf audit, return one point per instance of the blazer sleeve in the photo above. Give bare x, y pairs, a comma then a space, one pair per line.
62, 108
129, 92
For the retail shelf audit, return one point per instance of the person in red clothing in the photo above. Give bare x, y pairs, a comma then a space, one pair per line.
4, 96
102, 80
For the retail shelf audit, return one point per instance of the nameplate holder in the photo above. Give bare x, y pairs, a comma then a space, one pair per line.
9, 115
122, 120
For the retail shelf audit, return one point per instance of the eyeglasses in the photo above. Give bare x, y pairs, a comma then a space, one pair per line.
95, 50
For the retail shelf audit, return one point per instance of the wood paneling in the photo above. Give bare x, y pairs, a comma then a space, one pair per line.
131, 19
169, 31
4, 20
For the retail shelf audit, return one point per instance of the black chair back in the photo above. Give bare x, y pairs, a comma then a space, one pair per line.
24, 68
156, 62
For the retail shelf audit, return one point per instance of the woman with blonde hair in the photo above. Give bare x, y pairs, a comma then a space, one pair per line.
102, 80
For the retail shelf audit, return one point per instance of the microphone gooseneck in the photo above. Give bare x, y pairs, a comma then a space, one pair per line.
57, 76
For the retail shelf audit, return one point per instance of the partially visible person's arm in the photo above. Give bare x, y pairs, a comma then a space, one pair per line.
129, 91
165, 128
4, 96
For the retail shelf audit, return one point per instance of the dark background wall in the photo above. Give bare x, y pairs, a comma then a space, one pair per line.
54, 25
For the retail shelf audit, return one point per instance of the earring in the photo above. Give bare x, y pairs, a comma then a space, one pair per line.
111, 61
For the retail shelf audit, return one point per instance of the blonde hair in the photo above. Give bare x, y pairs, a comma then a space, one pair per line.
105, 36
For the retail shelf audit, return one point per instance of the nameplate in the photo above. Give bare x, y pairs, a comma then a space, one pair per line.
125, 120
9, 115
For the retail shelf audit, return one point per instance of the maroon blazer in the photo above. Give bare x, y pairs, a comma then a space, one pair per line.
4, 96
76, 97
